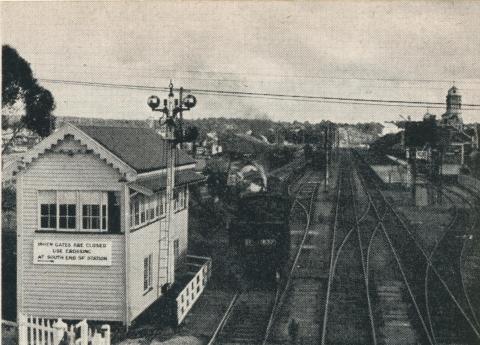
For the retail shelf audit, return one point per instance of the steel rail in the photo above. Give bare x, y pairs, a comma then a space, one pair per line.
365, 273
365, 213
405, 227
419, 246
397, 259
231, 306
224, 319
375, 231
278, 302
335, 262
462, 252
332, 255
427, 270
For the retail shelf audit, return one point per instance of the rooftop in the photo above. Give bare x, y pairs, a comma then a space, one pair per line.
141, 148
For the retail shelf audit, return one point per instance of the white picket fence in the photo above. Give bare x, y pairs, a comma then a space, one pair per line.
39, 331
189, 295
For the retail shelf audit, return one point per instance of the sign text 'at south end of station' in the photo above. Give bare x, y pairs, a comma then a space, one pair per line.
85, 253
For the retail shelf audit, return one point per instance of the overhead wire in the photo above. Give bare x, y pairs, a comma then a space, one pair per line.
266, 95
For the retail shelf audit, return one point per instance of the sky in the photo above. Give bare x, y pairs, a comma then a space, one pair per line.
400, 50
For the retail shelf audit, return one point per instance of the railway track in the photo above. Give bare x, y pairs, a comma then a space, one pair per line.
383, 285
348, 315
470, 255
441, 294
398, 281
433, 253
300, 268
248, 319
448, 257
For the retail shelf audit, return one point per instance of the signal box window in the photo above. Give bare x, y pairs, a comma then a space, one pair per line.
91, 216
48, 209
147, 273
146, 209
79, 211
94, 211
67, 210
176, 249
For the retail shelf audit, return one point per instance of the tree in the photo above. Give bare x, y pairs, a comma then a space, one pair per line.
20, 87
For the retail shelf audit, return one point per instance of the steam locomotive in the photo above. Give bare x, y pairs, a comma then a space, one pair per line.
261, 234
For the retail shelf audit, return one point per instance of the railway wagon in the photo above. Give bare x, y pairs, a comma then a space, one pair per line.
261, 234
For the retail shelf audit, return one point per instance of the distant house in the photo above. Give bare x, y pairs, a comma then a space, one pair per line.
211, 145
200, 150
92, 235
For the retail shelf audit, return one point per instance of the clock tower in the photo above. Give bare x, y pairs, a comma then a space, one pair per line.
454, 105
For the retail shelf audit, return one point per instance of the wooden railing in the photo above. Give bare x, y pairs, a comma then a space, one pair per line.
202, 268
39, 331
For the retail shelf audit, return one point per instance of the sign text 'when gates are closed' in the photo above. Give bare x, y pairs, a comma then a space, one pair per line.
85, 253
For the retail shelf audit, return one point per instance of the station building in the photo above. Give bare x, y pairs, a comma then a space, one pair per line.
92, 240
452, 140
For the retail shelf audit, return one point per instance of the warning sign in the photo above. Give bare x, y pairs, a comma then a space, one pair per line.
85, 253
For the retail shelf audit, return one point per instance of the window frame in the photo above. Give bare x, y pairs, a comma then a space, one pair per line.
180, 199
67, 217
176, 199
176, 249
103, 198
153, 208
147, 273
136, 214
78, 207
143, 218
89, 216
48, 216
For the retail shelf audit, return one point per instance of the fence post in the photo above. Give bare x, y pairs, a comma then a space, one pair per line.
106, 334
22, 329
96, 339
83, 325
71, 335
60, 328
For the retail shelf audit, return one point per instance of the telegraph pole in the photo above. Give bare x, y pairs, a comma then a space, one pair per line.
170, 126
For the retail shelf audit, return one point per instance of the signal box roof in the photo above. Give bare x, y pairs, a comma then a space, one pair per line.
141, 148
